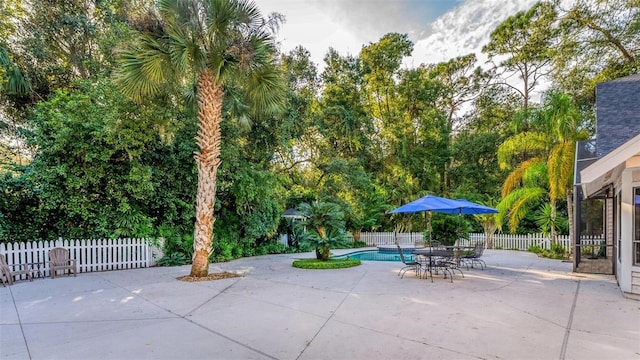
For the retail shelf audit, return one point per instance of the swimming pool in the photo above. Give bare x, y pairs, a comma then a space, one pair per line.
376, 255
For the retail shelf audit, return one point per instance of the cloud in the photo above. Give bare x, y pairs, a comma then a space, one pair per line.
371, 19
440, 29
464, 30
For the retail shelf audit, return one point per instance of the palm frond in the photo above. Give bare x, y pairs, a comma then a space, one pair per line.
515, 179
524, 145
142, 71
266, 90
536, 175
561, 162
517, 204
182, 51
249, 14
220, 17
17, 83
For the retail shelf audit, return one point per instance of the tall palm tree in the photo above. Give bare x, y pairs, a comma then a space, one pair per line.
546, 153
226, 50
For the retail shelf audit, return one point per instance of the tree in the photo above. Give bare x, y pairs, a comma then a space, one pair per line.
91, 176
598, 41
462, 82
525, 39
221, 47
543, 158
12, 80
489, 223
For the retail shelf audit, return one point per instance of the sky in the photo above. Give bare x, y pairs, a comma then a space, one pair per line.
439, 29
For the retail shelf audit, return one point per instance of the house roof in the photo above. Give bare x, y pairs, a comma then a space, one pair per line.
634, 77
292, 213
607, 169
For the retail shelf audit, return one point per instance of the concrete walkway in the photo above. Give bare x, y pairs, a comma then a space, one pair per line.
520, 307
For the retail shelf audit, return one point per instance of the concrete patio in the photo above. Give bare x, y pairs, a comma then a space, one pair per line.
520, 307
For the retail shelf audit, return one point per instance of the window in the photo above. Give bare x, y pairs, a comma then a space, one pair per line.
636, 226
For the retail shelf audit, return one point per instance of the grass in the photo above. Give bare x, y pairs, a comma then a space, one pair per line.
322, 265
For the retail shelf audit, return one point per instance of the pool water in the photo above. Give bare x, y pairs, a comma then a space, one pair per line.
375, 255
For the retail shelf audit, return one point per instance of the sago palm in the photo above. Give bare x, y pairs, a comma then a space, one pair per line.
324, 226
224, 49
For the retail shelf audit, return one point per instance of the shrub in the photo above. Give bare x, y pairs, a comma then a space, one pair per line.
557, 251
536, 249
354, 245
328, 264
174, 259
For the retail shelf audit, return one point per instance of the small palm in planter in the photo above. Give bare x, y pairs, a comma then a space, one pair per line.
324, 227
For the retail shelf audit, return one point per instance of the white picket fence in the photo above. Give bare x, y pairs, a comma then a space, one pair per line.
500, 241
91, 255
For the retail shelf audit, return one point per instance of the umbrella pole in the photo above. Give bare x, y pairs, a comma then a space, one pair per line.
427, 218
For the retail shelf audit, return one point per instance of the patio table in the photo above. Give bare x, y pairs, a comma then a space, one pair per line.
438, 259
38, 267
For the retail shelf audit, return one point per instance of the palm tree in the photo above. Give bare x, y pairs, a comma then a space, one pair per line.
224, 49
546, 153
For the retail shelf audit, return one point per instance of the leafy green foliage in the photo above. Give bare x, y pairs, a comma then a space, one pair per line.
325, 265
546, 221
175, 259
557, 251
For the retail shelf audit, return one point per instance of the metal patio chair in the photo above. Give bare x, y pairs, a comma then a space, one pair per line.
408, 265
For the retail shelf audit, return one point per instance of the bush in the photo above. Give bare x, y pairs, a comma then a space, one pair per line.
536, 249
323, 265
175, 259
557, 251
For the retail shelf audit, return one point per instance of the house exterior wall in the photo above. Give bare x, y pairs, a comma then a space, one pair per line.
628, 275
617, 112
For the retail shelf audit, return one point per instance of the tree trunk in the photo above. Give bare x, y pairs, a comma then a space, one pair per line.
554, 231
326, 251
489, 229
207, 160
571, 222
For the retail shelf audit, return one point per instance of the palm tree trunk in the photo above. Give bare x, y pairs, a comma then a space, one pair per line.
554, 231
571, 222
207, 160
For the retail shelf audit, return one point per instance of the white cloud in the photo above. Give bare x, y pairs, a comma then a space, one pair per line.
464, 30
440, 29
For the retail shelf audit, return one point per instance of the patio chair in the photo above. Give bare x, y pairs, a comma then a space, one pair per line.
7, 272
475, 256
439, 260
453, 262
59, 260
408, 265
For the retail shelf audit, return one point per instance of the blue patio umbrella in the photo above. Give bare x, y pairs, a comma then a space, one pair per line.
433, 203
430, 203
468, 207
